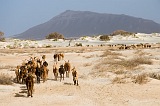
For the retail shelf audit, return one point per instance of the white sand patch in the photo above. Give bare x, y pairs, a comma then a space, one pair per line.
92, 41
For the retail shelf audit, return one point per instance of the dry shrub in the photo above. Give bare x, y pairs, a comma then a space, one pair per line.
99, 70
127, 64
134, 62
119, 72
109, 53
103, 69
112, 62
122, 32
87, 64
140, 53
142, 60
100, 67
78, 44
141, 79
119, 80
155, 76
80, 50
5, 79
104, 38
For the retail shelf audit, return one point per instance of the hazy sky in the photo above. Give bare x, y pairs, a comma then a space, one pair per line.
16, 16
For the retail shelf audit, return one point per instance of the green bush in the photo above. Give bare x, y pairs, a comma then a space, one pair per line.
104, 38
78, 44
55, 35
122, 32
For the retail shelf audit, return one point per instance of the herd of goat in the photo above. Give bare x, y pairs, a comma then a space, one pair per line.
132, 46
35, 69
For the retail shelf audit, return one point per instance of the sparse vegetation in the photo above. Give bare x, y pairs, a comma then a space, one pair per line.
119, 80
87, 64
122, 32
5, 79
140, 53
128, 64
55, 36
104, 38
78, 44
155, 76
110, 53
119, 72
82, 50
115, 63
141, 78
48, 46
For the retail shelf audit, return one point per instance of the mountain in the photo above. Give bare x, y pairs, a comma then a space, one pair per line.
80, 23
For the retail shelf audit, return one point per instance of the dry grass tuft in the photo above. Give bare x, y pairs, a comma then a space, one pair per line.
87, 64
82, 50
119, 72
109, 53
118, 65
141, 53
100, 67
141, 60
134, 62
141, 79
5, 79
119, 80
154, 75
127, 64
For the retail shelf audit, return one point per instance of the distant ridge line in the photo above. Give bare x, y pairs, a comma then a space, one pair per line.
80, 23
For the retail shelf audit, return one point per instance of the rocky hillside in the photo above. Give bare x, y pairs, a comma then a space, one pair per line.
80, 23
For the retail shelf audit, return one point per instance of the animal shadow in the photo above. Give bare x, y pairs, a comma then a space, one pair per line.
66, 83
22, 93
19, 95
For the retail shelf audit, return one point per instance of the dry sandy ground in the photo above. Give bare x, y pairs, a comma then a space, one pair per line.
93, 90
